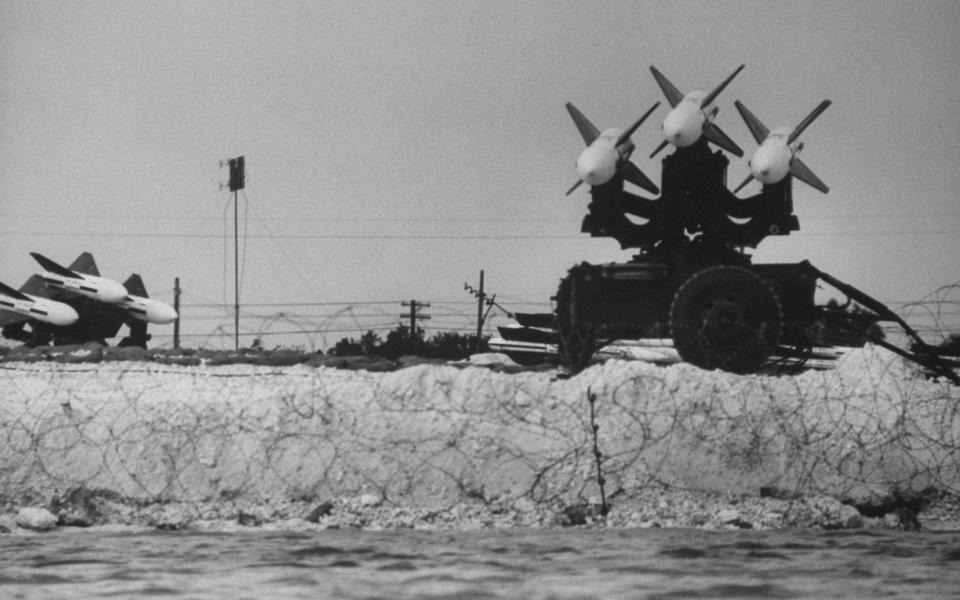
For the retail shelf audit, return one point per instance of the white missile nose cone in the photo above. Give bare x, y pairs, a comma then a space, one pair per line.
669, 133
674, 130
161, 314
62, 314
676, 136
593, 178
596, 165
72, 315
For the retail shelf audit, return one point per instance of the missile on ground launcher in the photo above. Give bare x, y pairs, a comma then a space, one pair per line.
25, 306
80, 312
694, 280
608, 153
143, 308
778, 150
691, 116
84, 284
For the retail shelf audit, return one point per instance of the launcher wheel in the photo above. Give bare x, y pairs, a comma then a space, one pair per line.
725, 317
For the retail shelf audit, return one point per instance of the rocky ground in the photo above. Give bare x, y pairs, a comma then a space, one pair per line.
100, 509
225, 441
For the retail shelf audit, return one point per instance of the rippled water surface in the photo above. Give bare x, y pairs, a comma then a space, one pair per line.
647, 563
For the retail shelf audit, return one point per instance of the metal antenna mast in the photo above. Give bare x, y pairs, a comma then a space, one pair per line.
235, 184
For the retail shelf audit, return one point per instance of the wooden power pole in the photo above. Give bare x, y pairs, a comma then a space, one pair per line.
482, 299
176, 307
414, 315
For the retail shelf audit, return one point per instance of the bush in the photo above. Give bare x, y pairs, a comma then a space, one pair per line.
446, 345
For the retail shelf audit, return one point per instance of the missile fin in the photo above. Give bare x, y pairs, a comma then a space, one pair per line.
756, 127
717, 136
674, 96
575, 186
135, 287
35, 286
804, 174
807, 121
716, 92
662, 145
53, 267
745, 182
634, 175
587, 129
85, 264
9, 291
626, 134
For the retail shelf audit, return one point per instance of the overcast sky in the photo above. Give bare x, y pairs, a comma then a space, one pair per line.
396, 148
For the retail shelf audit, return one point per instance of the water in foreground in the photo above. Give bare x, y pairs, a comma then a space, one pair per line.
528, 564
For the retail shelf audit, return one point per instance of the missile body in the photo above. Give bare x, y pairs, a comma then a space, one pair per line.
608, 153
692, 116
685, 123
778, 152
90, 286
770, 162
34, 307
149, 310
597, 164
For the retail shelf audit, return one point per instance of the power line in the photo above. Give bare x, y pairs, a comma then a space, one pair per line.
283, 250
306, 219
456, 237
294, 236
333, 219
283, 304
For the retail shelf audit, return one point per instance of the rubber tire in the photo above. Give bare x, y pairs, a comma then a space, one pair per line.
725, 317
576, 341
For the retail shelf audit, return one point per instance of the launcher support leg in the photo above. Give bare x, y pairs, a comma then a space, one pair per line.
922, 354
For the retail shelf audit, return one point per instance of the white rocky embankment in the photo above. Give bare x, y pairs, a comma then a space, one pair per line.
454, 445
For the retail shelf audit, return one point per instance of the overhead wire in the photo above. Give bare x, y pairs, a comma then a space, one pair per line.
357, 325
496, 220
290, 262
437, 236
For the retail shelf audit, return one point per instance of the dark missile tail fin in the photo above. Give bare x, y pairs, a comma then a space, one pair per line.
9, 291
85, 264
52, 267
135, 286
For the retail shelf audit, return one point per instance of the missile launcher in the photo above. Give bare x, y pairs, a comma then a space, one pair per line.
693, 279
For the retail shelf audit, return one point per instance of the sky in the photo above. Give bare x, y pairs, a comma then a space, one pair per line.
395, 149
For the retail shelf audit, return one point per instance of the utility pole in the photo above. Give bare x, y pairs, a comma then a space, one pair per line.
482, 299
414, 315
176, 307
236, 183
481, 296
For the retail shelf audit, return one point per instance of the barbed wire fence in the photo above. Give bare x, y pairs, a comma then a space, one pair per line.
432, 437
937, 314
318, 326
